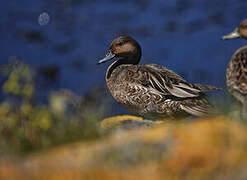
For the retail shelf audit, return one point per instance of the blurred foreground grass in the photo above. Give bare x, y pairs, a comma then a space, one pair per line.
27, 126
213, 148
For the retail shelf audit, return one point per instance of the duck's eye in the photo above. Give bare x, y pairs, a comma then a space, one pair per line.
244, 25
119, 43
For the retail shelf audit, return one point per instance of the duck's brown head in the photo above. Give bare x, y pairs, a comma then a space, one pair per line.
240, 31
125, 48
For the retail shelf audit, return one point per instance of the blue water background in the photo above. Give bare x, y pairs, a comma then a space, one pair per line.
183, 35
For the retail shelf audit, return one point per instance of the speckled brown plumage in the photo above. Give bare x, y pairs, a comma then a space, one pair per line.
150, 90
236, 74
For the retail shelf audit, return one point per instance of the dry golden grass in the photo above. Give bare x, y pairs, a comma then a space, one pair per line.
198, 149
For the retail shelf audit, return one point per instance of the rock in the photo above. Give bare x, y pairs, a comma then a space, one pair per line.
127, 122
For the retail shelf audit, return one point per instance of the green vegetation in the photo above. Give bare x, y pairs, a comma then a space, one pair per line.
27, 126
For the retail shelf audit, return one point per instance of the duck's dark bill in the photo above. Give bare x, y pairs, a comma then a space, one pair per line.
232, 35
107, 57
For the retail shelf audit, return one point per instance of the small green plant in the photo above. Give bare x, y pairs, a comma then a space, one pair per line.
27, 126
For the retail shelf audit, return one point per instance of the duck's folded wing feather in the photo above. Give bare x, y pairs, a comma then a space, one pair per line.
199, 110
168, 82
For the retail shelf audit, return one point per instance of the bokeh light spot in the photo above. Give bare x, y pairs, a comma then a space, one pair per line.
44, 18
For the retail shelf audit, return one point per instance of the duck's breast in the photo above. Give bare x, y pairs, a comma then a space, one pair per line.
236, 76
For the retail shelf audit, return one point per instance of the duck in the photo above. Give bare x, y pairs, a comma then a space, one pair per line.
236, 73
150, 90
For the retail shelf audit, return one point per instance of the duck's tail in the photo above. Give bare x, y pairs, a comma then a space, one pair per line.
207, 87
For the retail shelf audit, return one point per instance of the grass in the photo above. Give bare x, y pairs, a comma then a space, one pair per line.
28, 126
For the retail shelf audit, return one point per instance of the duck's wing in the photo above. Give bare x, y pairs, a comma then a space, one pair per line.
167, 81
198, 106
191, 96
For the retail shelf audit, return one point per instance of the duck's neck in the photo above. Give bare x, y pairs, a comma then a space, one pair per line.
111, 68
119, 62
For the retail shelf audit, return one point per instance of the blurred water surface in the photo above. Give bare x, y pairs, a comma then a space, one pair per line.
184, 35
